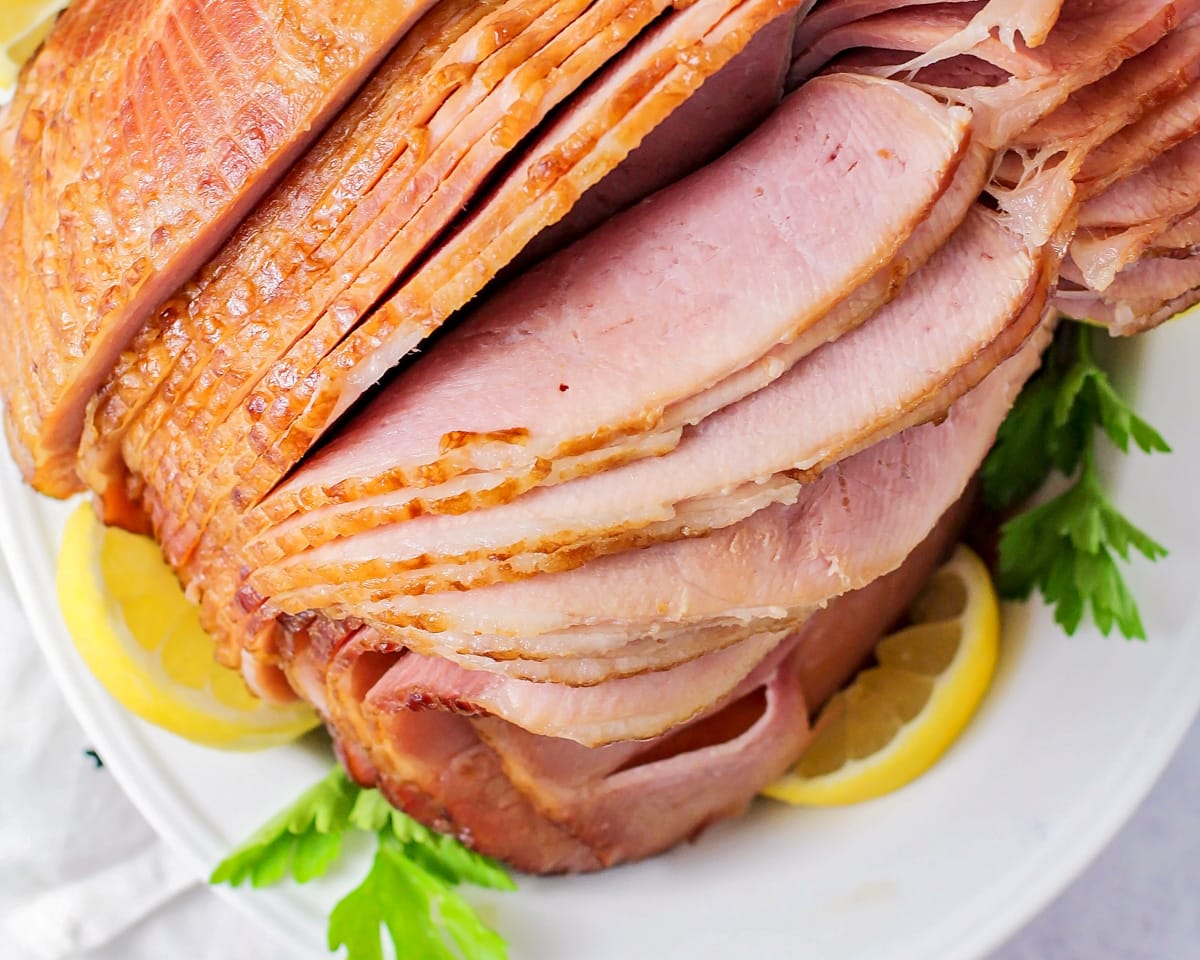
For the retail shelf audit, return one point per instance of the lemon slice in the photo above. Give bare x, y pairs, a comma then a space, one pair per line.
23, 26
142, 639
898, 717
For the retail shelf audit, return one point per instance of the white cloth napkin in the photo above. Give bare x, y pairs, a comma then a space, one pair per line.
80, 870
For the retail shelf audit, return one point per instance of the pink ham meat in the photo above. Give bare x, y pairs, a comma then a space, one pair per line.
1117, 226
1142, 296
984, 278
729, 105
1090, 40
1031, 20
1041, 175
734, 576
521, 796
461, 411
141, 134
1141, 143
639, 707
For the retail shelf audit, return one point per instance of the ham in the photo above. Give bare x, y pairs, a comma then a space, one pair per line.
1142, 296
139, 137
1137, 146
728, 106
293, 402
984, 278
1004, 19
463, 412
627, 800
734, 575
1117, 226
1042, 171
629, 708
489, 88
573, 580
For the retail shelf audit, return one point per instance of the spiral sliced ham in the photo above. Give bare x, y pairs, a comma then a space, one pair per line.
984, 276
567, 572
138, 138
465, 411
293, 402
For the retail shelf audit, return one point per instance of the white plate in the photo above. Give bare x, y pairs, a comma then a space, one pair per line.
1072, 736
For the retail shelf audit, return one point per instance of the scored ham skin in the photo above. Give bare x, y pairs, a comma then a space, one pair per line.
278, 251
137, 139
460, 130
468, 386
984, 278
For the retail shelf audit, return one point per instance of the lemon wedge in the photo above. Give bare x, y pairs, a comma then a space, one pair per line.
898, 717
23, 26
142, 639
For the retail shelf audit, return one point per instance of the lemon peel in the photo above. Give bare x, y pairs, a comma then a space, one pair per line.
898, 717
141, 638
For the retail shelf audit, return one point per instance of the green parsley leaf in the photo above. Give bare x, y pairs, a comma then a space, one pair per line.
420, 912
1068, 548
1027, 445
408, 895
304, 839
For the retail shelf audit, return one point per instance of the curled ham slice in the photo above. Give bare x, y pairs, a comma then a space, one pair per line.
1117, 226
984, 278
1142, 296
548, 804
462, 410
735, 576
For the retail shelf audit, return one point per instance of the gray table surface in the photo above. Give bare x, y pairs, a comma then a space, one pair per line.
1140, 899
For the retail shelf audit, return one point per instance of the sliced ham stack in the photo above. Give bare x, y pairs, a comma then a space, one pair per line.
564, 395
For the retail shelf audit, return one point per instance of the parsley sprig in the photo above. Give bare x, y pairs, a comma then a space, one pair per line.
1068, 548
409, 894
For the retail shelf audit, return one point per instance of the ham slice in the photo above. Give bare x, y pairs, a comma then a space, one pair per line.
628, 800
920, 30
1091, 39
1003, 19
1117, 226
1055, 150
490, 88
728, 106
984, 278
1142, 296
276, 425
137, 139
1141, 143
462, 411
631, 708
733, 576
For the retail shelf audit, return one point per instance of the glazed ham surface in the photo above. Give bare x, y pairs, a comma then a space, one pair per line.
563, 396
